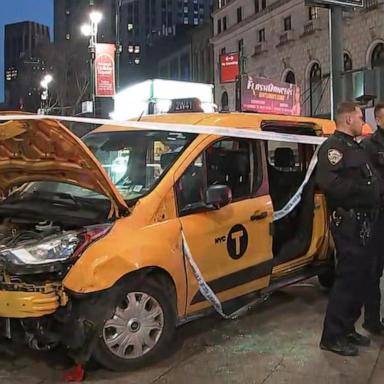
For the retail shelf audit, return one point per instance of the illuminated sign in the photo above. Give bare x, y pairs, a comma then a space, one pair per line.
186, 105
229, 67
105, 70
266, 96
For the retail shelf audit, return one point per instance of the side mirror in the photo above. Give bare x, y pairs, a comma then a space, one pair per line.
218, 195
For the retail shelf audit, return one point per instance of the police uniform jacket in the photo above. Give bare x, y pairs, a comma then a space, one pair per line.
374, 145
345, 174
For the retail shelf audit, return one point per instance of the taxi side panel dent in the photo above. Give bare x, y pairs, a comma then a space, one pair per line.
110, 259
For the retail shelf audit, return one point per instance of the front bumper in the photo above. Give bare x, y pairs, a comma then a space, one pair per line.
21, 300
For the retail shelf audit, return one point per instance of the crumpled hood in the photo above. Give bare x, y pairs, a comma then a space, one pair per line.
45, 150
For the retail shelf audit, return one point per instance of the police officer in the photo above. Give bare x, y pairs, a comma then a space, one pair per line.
352, 191
374, 145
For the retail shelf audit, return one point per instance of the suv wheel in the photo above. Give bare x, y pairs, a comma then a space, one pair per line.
140, 329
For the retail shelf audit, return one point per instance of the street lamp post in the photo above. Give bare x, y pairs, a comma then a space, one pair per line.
118, 43
45, 95
91, 31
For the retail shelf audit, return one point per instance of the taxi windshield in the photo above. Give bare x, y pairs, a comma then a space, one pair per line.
136, 160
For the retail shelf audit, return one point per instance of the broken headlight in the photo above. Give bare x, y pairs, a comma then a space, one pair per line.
54, 249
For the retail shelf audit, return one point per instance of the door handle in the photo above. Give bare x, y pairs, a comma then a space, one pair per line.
259, 216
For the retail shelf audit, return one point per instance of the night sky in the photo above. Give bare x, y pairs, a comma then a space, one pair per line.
13, 11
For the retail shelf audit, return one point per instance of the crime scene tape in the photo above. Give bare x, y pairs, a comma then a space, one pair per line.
204, 288
296, 198
175, 127
207, 292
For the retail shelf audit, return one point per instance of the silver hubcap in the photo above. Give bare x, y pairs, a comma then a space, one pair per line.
135, 327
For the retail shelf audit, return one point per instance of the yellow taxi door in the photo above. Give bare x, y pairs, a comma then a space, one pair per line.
231, 245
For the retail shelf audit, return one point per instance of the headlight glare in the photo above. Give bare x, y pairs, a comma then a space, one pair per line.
52, 250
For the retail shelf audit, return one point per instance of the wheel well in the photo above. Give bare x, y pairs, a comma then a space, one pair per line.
160, 275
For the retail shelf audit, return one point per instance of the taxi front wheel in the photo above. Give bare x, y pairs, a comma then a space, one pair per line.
141, 328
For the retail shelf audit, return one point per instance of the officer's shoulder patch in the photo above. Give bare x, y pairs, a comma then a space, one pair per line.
334, 156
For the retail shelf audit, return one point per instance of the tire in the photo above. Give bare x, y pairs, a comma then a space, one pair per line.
125, 343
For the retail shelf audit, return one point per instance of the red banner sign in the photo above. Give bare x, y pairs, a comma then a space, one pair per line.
267, 96
229, 67
105, 70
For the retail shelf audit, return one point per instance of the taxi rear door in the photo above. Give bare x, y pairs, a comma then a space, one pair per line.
232, 246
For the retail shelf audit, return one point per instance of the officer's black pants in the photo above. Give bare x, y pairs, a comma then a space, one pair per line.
372, 300
348, 292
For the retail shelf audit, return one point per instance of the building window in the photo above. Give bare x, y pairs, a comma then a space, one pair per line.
287, 23
313, 13
315, 88
347, 62
377, 57
224, 101
225, 23
290, 78
263, 4
186, 20
239, 14
219, 26
195, 21
257, 6
261, 35
222, 51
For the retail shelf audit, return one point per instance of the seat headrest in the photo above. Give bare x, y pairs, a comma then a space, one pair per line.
284, 157
238, 162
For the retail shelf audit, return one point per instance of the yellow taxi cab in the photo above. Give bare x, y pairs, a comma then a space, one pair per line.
91, 251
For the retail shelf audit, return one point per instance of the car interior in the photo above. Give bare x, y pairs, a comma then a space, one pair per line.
224, 163
287, 167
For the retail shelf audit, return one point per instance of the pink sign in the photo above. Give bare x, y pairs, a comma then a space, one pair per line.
105, 70
267, 96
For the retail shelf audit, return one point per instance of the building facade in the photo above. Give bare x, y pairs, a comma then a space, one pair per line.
24, 64
142, 26
147, 24
71, 56
188, 56
284, 40
70, 15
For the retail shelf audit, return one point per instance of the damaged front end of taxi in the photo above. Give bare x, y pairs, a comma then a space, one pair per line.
44, 229
34, 307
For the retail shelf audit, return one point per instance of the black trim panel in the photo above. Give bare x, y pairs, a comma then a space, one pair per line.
235, 279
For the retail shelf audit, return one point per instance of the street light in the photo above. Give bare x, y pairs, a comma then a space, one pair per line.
90, 30
44, 95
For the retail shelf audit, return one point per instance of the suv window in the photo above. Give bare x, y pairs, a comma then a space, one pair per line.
226, 162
